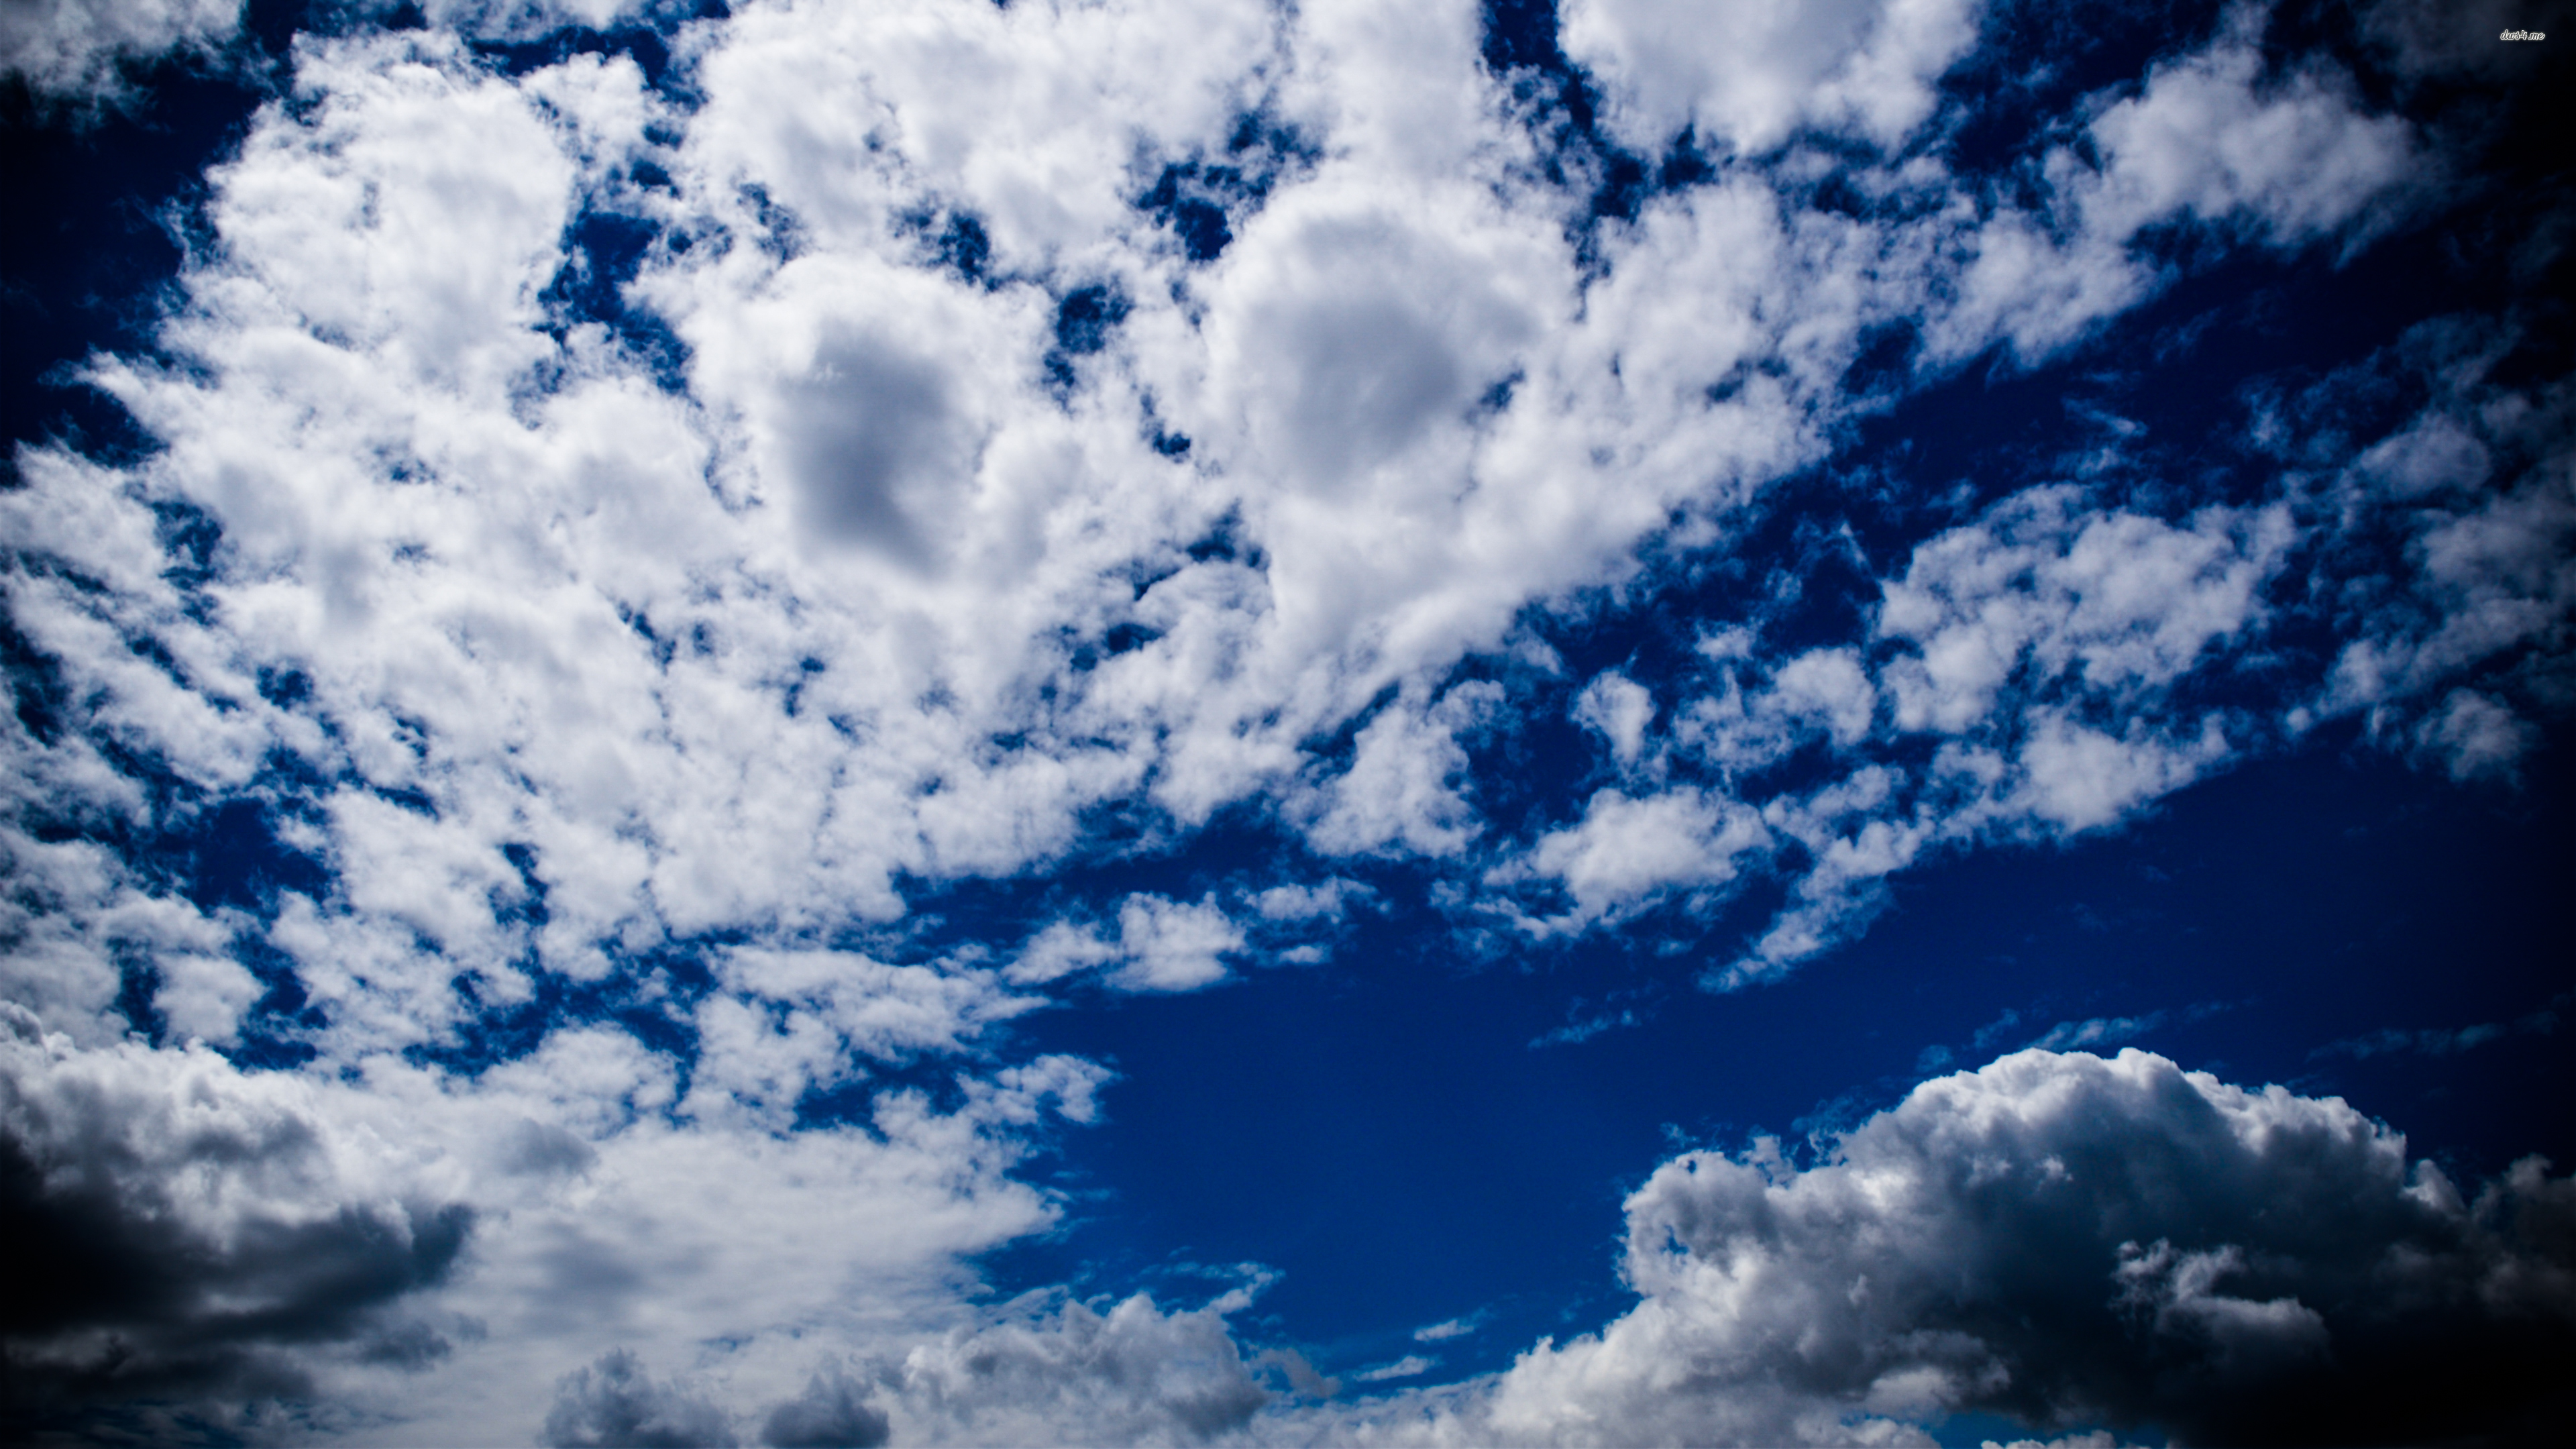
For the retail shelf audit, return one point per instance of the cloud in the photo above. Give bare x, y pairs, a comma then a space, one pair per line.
2470, 527
2295, 157
1412, 1365
2062, 1239
226, 1237
1618, 709
69, 49
2212, 137
1132, 1375
1747, 79
1625, 850
1328, 901
2126, 602
613, 1404
1398, 792
1162, 945
832, 1413
183, 1230
2434, 1041
2095, 1031
2022, 640
874, 510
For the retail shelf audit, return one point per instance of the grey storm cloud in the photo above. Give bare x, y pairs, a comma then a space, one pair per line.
614, 1404
168, 1239
832, 1413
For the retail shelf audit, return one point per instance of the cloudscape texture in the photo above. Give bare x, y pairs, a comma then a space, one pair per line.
1220, 721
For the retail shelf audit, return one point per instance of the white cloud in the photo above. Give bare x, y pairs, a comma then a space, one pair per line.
1619, 709
70, 48
204, 996
1412, 1365
1327, 901
1625, 850
2095, 1031
2475, 487
1746, 78
2296, 157
1828, 683
1160, 945
1445, 1329
2211, 138
1068, 1372
2083, 779
2126, 601
1399, 790
2474, 735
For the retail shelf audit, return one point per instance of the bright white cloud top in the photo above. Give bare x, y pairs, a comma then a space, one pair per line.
1013, 438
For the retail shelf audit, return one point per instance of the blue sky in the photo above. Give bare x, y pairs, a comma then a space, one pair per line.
1162, 722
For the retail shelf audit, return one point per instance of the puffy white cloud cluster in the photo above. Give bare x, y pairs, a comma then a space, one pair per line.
69, 49
1749, 79
2064, 1239
2479, 487
2212, 139
2035, 650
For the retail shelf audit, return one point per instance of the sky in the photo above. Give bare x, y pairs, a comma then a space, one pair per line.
1231, 722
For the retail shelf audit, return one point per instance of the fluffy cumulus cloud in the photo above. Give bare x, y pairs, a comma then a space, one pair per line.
632, 550
2064, 1239
1748, 80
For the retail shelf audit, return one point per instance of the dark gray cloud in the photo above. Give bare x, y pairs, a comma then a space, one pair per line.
614, 1404
176, 1232
832, 1413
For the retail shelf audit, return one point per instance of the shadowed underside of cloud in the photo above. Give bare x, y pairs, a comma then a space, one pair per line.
179, 1233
